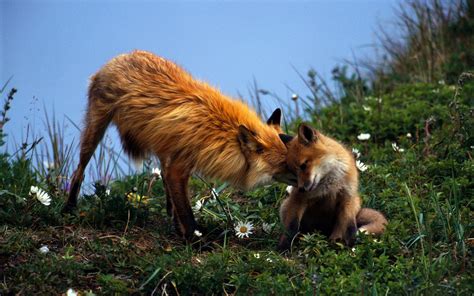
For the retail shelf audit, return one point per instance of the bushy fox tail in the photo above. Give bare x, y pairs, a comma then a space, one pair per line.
371, 221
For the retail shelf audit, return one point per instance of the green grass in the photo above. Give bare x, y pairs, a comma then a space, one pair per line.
115, 246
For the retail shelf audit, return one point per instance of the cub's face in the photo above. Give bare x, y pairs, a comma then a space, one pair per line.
306, 158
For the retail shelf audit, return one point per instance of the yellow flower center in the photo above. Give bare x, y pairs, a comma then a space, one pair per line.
243, 229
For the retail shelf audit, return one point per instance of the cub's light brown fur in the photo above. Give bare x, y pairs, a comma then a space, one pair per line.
327, 197
158, 108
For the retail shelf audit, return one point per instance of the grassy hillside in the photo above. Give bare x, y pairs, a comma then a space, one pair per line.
127, 245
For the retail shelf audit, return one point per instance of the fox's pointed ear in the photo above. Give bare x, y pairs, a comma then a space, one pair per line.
307, 134
275, 118
248, 141
285, 138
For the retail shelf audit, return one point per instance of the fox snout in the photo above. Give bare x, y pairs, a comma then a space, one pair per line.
307, 186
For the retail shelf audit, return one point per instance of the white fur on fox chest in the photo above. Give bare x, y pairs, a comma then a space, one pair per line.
329, 176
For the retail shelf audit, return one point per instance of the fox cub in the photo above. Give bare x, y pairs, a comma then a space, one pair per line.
158, 108
326, 197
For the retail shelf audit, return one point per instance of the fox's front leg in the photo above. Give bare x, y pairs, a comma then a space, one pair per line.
291, 212
345, 228
176, 179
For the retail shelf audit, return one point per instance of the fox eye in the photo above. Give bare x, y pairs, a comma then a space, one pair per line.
303, 166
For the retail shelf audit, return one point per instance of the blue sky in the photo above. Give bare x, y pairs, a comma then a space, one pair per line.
52, 47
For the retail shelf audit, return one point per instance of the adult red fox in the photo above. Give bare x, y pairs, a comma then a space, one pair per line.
158, 108
327, 197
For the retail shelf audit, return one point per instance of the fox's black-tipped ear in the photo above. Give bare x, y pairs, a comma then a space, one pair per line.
275, 118
307, 134
285, 138
248, 141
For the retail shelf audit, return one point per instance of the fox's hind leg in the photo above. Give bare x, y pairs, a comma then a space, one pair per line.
176, 177
169, 202
96, 122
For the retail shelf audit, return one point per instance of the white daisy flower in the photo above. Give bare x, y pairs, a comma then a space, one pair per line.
197, 207
41, 195
267, 227
396, 148
366, 108
71, 292
408, 135
197, 233
363, 137
243, 229
156, 171
256, 255
44, 249
33, 190
361, 166
356, 152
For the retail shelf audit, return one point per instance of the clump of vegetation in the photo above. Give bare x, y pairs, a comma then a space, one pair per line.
414, 137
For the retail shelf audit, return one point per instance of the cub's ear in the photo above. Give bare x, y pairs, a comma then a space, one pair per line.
306, 134
285, 138
248, 141
275, 118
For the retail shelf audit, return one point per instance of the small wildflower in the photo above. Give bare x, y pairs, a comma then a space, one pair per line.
71, 292
356, 152
44, 249
135, 199
41, 195
243, 229
363, 137
267, 227
269, 260
256, 255
353, 249
361, 166
408, 135
197, 233
48, 165
197, 207
156, 172
366, 108
289, 189
396, 148
107, 192
33, 190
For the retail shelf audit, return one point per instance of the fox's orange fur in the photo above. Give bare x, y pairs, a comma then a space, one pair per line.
159, 109
327, 197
